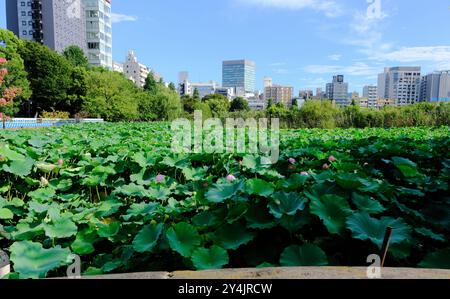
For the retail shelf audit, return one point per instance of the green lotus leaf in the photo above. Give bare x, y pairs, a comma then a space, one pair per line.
147, 238
296, 222
108, 207
366, 228
258, 217
232, 236
140, 209
60, 228
6, 214
430, 234
20, 168
10, 154
211, 258
42, 195
220, 192
259, 187
348, 181
183, 238
84, 242
407, 167
367, 204
107, 230
437, 260
333, 211
31, 260
304, 256
285, 204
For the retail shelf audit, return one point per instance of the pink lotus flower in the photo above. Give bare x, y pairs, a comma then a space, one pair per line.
159, 178
304, 173
231, 178
3, 101
331, 159
290, 167
205, 185
3, 60
3, 72
60, 162
326, 166
292, 161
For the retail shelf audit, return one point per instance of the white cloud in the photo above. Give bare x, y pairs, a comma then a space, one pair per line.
329, 7
437, 57
335, 57
118, 18
356, 69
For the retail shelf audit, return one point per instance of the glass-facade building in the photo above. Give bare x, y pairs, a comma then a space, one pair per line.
239, 74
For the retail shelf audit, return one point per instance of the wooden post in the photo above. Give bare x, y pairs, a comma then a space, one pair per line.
385, 248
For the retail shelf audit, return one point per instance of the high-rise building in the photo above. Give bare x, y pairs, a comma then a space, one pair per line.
370, 92
279, 94
268, 82
435, 87
400, 84
239, 74
337, 91
54, 23
99, 32
134, 70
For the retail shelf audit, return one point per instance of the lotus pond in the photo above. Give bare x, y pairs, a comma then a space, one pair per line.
120, 199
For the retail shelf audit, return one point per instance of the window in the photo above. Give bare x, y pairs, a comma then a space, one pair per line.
24, 32
24, 23
24, 13
22, 3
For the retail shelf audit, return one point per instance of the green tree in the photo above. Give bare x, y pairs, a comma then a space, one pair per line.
49, 74
239, 104
196, 94
189, 103
75, 56
172, 86
150, 83
111, 96
218, 104
17, 75
161, 105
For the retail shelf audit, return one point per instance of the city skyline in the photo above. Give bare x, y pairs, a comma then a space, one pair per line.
294, 43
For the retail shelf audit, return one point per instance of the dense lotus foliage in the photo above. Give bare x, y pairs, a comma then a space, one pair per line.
116, 196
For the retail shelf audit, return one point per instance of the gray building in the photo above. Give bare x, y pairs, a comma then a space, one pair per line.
370, 92
435, 87
54, 23
400, 84
338, 91
239, 74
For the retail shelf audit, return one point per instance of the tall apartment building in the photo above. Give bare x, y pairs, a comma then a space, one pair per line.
338, 91
370, 92
99, 32
54, 23
435, 87
134, 70
400, 84
279, 94
320, 94
239, 74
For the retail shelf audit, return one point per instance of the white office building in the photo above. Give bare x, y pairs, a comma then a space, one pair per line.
400, 84
370, 92
134, 70
337, 91
99, 32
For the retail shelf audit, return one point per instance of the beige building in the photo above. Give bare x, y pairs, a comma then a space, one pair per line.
385, 102
279, 94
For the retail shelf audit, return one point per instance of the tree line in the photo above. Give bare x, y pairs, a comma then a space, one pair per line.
65, 84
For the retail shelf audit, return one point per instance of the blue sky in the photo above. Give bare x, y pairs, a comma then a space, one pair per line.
302, 43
